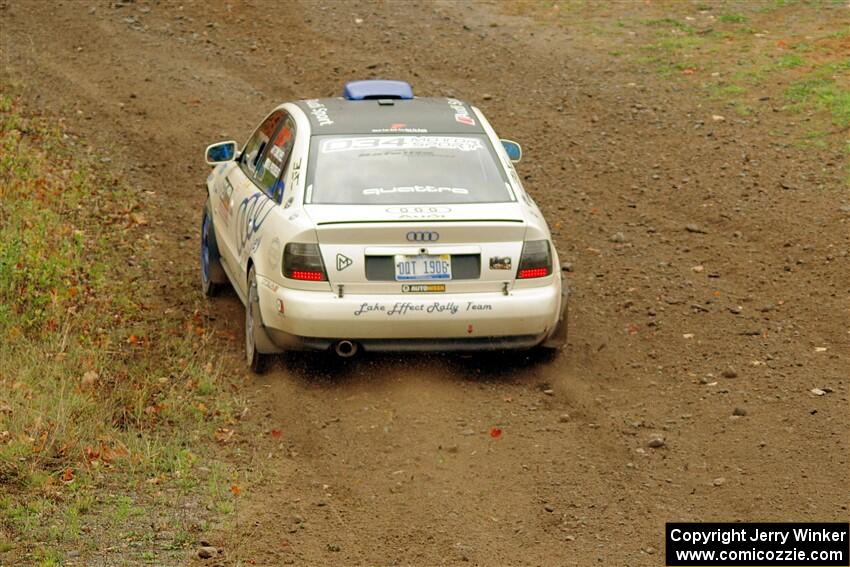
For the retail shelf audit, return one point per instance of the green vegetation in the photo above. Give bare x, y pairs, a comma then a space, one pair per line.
669, 23
825, 88
790, 52
732, 18
791, 60
99, 392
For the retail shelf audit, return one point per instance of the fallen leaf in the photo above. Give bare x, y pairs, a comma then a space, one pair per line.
495, 433
276, 433
89, 378
223, 435
68, 475
139, 219
91, 454
235, 490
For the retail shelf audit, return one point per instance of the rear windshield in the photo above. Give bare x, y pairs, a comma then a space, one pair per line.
404, 170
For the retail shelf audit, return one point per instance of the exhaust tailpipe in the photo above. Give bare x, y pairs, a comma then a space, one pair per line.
345, 349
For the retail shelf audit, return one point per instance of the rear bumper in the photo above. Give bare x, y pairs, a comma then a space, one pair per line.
286, 341
471, 321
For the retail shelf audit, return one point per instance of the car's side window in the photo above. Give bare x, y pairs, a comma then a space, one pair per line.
274, 162
254, 149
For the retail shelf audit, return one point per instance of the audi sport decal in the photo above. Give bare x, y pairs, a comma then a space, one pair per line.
462, 114
401, 143
319, 111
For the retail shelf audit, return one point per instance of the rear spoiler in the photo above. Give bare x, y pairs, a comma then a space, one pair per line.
408, 221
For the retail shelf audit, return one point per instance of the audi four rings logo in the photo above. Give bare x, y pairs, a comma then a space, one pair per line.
423, 236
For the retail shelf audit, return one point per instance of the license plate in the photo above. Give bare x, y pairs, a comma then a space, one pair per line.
423, 268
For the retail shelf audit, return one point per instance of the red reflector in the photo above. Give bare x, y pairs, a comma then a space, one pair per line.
310, 276
533, 273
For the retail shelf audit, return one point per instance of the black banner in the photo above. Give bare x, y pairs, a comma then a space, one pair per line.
813, 544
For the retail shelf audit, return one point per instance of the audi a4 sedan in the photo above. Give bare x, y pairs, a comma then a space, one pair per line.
380, 221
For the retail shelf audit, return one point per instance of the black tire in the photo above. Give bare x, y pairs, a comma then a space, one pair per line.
212, 274
257, 361
558, 339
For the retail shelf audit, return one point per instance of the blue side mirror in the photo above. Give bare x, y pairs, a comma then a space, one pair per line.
513, 150
221, 152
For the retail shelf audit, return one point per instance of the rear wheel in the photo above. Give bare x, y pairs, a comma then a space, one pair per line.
558, 339
212, 274
257, 361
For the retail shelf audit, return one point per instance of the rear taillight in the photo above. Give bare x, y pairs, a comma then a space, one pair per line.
303, 262
536, 260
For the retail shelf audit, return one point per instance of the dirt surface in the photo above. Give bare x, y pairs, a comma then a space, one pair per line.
709, 269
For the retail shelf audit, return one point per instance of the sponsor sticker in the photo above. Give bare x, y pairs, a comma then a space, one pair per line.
500, 263
409, 308
423, 288
461, 112
415, 189
274, 255
283, 136
277, 153
399, 128
401, 143
225, 202
272, 167
419, 212
269, 284
342, 262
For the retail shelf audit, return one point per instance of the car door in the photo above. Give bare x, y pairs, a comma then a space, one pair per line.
241, 203
265, 188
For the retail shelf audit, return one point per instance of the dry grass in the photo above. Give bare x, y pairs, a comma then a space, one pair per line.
104, 400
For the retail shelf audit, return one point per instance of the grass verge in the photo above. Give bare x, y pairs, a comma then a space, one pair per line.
110, 411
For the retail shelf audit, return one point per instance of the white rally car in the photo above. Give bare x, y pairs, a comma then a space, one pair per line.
380, 221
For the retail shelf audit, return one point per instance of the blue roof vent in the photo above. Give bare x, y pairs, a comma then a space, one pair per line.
367, 90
